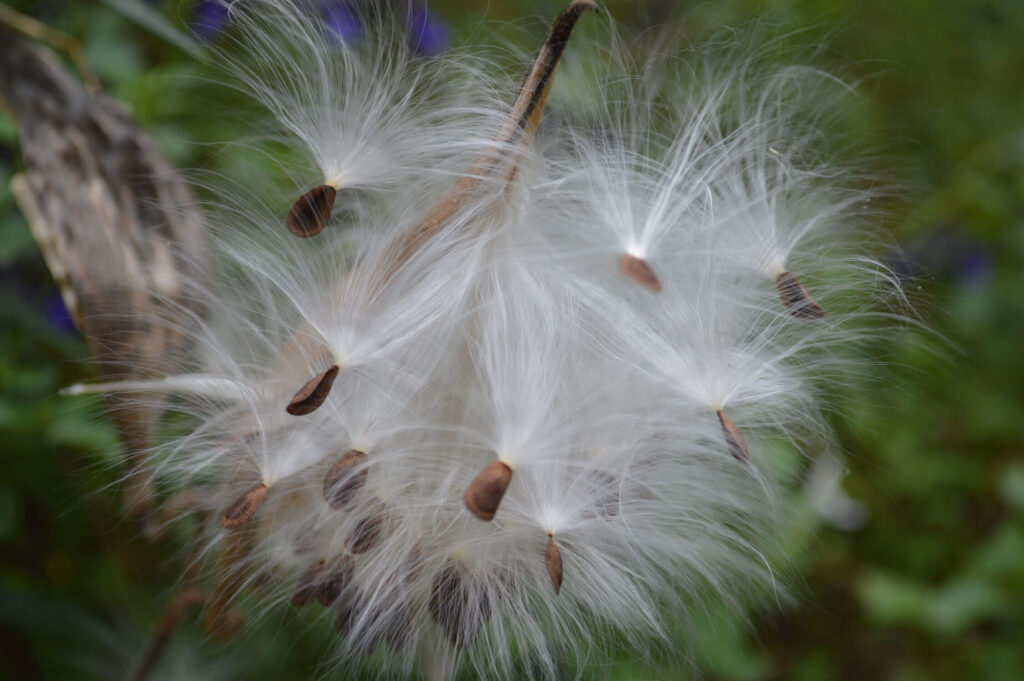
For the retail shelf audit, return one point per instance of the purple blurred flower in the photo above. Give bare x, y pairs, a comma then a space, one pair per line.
428, 34
209, 19
342, 23
58, 316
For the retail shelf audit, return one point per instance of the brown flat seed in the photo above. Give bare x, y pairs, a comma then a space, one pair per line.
796, 298
310, 214
553, 560
244, 508
639, 271
368, 529
307, 586
485, 492
734, 438
458, 608
334, 578
345, 478
311, 395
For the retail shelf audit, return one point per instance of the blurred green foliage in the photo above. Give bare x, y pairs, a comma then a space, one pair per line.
932, 587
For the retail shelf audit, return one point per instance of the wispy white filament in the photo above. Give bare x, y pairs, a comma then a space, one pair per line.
514, 334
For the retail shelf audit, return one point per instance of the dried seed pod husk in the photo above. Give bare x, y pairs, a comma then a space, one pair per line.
307, 587
220, 620
639, 271
734, 438
312, 211
345, 479
484, 494
457, 607
553, 561
313, 393
368, 529
244, 508
796, 298
334, 578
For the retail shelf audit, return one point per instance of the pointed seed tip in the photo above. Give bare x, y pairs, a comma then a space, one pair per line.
484, 494
734, 438
311, 212
244, 508
313, 393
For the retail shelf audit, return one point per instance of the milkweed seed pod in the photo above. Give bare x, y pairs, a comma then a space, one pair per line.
527, 395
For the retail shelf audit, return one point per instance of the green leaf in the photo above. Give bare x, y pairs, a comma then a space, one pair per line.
154, 22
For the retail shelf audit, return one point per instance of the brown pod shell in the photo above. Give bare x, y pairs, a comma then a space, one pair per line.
312, 211
639, 271
346, 477
484, 494
553, 560
307, 585
457, 607
244, 508
734, 438
334, 578
312, 394
368, 530
796, 298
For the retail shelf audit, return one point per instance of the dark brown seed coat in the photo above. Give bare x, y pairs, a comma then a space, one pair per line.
457, 607
244, 508
345, 479
796, 298
311, 395
484, 494
334, 578
553, 560
311, 213
308, 585
368, 529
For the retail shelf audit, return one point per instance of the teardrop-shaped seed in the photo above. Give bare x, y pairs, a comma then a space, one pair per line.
484, 494
368, 529
553, 560
639, 271
734, 438
244, 508
344, 479
334, 579
311, 395
796, 298
311, 213
308, 584
458, 608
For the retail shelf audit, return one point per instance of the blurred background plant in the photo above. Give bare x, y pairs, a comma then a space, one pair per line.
907, 558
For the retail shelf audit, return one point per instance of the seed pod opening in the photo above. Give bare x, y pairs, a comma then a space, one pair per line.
457, 607
796, 298
484, 494
312, 211
368, 529
553, 560
734, 438
345, 479
311, 395
639, 271
244, 508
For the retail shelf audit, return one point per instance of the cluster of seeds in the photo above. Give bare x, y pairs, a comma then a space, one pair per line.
490, 390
